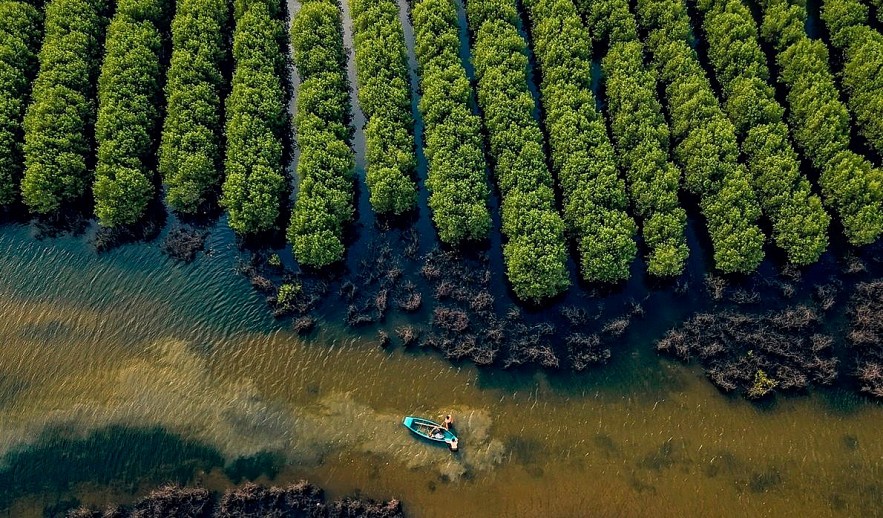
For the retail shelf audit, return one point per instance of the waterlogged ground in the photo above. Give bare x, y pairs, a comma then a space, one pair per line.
122, 371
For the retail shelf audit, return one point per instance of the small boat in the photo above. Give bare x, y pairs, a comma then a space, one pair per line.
430, 430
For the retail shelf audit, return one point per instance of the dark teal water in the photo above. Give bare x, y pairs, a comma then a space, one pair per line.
123, 370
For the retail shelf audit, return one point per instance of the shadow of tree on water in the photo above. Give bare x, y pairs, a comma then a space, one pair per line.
123, 457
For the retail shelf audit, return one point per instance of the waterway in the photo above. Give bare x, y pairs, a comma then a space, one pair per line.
123, 370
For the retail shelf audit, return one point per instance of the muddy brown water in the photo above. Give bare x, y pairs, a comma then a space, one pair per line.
122, 371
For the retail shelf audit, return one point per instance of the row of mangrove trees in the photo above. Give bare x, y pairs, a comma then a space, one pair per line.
325, 167
83, 94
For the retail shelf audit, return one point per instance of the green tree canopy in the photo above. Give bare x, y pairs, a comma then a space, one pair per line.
256, 116
582, 156
819, 121
128, 96
641, 136
535, 251
190, 151
799, 221
21, 28
325, 168
706, 145
59, 120
385, 98
456, 177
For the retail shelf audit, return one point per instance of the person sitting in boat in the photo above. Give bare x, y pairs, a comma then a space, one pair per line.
446, 424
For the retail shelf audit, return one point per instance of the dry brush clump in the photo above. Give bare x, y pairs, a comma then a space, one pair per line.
757, 353
288, 293
165, 501
303, 324
866, 336
300, 500
617, 326
465, 325
588, 344
353, 507
716, 286
585, 351
450, 319
381, 282
529, 343
409, 335
574, 315
410, 299
825, 295
183, 243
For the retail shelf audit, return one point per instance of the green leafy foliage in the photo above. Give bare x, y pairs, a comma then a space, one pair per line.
582, 156
641, 135
706, 141
762, 386
862, 50
609, 19
878, 5
385, 98
190, 151
58, 123
325, 168
456, 177
256, 116
851, 186
799, 221
274, 9
128, 96
287, 292
535, 252
21, 27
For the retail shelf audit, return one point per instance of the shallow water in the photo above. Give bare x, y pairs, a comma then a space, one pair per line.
125, 370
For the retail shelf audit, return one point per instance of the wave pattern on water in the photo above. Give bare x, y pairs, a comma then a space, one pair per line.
331, 409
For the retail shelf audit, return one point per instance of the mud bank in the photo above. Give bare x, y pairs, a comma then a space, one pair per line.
250, 500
